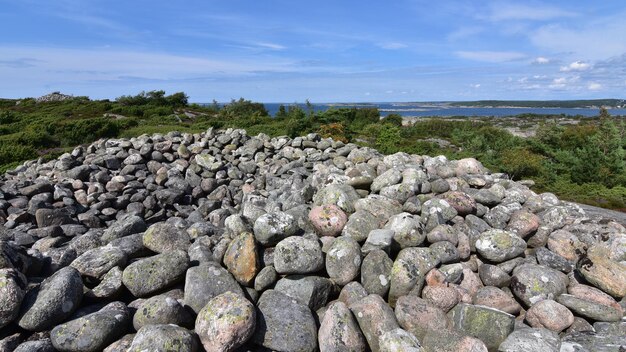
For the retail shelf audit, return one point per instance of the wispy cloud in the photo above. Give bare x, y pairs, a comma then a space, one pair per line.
272, 46
392, 45
491, 56
594, 86
576, 66
465, 32
541, 60
510, 11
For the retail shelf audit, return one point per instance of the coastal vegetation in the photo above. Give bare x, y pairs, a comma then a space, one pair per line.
582, 161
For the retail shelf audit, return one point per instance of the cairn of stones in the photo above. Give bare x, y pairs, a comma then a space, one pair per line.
220, 241
54, 96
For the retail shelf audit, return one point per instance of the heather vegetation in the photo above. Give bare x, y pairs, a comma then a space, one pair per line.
582, 162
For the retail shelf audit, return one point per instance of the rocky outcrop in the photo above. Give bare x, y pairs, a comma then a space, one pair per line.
222, 241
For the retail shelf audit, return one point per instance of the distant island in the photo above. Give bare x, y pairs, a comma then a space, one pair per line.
570, 104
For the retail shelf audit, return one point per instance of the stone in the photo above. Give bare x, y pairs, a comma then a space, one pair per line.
419, 316
164, 338
53, 301
226, 322
343, 260
92, 332
342, 195
44, 345
265, 278
602, 272
12, 290
443, 297
298, 255
451, 341
109, 287
494, 297
352, 292
387, 178
51, 217
523, 223
339, 331
549, 314
532, 283
328, 220
492, 275
153, 274
273, 310
375, 318
242, 259
409, 271
499, 245
489, 325
160, 309
531, 340
206, 281
312, 291
98, 261
163, 237
399, 340
123, 227
378, 239
460, 201
407, 230
359, 225
589, 309
271, 228
376, 272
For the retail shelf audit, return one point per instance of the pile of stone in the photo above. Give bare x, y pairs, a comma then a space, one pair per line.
54, 96
225, 242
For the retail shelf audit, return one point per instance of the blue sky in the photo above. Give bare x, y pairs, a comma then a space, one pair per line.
325, 51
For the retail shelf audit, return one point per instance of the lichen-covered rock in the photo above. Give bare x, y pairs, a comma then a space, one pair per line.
98, 261
298, 255
602, 272
376, 272
109, 287
399, 340
407, 230
312, 291
494, 297
226, 322
343, 260
328, 220
499, 245
164, 338
339, 331
451, 341
359, 225
155, 273
419, 317
271, 228
160, 309
460, 201
589, 309
123, 227
375, 318
92, 332
532, 283
409, 270
531, 340
53, 301
341, 195
12, 290
489, 325
206, 281
242, 259
284, 324
163, 237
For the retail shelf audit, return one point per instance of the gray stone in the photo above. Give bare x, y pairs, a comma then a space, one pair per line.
359, 225
531, 340
271, 228
123, 227
164, 338
409, 271
532, 283
489, 325
339, 331
162, 237
98, 261
226, 322
273, 310
53, 301
399, 340
206, 281
298, 255
341, 195
499, 245
312, 291
376, 272
375, 318
92, 332
161, 309
152, 274
589, 309
343, 260
12, 290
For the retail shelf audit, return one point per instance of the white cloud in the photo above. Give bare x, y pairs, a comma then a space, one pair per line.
575, 66
272, 46
596, 40
563, 82
594, 86
475, 86
491, 56
393, 45
509, 12
541, 60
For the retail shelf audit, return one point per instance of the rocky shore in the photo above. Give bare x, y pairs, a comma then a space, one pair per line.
221, 241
